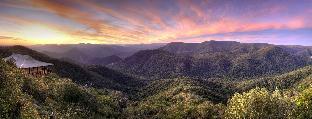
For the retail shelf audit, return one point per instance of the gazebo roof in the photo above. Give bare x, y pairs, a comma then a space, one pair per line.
26, 61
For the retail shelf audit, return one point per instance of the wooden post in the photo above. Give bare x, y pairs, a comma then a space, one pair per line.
43, 69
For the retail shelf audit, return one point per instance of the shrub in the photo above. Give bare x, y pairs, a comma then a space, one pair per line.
304, 104
259, 103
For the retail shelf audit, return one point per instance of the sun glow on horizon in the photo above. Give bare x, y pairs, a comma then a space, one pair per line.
41, 34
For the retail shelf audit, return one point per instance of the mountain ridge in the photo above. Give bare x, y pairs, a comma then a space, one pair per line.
214, 59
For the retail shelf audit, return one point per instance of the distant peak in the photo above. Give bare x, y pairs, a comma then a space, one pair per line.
85, 43
176, 43
214, 41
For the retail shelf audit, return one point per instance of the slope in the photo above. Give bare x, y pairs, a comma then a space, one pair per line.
65, 69
179, 98
153, 64
104, 60
213, 59
53, 97
298, 79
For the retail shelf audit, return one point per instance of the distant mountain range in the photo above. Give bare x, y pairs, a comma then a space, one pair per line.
207, 59
215, 59
86, 54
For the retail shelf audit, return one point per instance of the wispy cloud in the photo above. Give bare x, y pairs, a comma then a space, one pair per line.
8, 38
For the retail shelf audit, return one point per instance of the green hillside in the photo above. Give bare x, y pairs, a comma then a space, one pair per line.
298, 79
28, 97
179, 98
78, 74
282, 96
215, 59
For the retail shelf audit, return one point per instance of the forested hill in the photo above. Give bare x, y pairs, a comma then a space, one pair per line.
24, 97
228, 46
299, 79
282, 96
65, 69
212, 59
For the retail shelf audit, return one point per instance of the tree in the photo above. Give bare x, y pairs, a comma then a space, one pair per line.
259, 103
304, 104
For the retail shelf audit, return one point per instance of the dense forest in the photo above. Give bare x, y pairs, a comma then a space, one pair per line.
222, 59
213, 79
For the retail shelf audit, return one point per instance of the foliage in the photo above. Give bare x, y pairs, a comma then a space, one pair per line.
297, 80
259, 103
29, 97
76, 73
214, 59
125, 83
304, 104
180, 98
13, 102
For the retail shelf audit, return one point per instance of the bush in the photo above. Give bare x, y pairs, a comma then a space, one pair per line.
304, 104
259, 103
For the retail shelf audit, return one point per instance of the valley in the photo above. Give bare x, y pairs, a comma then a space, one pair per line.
177, 80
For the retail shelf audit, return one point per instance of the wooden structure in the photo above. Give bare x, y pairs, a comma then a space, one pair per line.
29, 65
37, 71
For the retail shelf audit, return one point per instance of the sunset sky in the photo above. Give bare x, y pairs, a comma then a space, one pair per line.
28, 22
